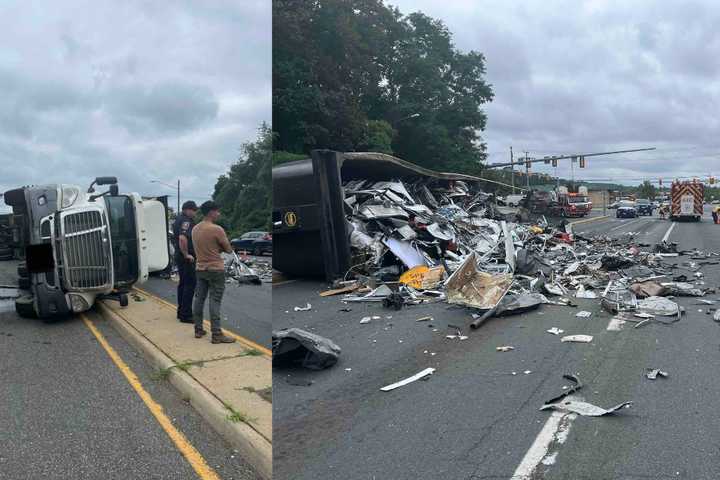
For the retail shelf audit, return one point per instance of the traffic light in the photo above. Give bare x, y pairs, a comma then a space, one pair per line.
554, 162
528, 163
582, 162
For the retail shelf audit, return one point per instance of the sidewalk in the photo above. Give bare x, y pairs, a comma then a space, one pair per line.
229, 384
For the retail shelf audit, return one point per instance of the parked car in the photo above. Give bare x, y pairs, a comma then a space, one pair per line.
643, 206
255, 242
626, 209
613, 205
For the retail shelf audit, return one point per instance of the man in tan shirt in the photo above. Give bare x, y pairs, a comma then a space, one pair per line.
209, 240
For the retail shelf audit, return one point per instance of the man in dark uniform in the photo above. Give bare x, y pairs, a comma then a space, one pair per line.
185, 260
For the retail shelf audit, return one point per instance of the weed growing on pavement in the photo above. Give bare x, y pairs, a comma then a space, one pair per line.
164, 373
238, 417
253, 352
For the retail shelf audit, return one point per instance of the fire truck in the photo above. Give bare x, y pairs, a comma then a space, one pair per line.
686, 200
570, 204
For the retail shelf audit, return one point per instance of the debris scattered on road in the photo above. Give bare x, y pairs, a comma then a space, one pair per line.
504, 348
238, 271
653, 373
583, 314
555, 331
402, 383
293, 346
577, 338
303, 309
365, 320
659, 306
577, 385
583, 408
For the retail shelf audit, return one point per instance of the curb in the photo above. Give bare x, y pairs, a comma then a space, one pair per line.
588, 220
254, 448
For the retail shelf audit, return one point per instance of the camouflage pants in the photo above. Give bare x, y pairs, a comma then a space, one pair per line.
212, 283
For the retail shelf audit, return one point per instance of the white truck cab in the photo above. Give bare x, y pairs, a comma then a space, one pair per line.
80, 246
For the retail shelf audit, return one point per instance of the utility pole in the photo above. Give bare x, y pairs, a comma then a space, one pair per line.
178, 195
572, 172
512, 170
527, 170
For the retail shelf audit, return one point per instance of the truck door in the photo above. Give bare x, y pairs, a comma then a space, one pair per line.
138, 230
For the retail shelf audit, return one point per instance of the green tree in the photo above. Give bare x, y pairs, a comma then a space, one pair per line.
646, 190
244, 192
358, 75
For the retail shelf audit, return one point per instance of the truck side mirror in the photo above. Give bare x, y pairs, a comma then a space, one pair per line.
105, 180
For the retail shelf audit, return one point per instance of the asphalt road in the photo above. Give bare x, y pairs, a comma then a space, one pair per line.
245, 308
477, 416
68, 412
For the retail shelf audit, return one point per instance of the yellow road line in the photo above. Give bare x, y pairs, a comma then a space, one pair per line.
246, 341
194, 458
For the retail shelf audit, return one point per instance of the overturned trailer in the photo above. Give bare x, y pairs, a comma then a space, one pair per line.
79, 246
313, 206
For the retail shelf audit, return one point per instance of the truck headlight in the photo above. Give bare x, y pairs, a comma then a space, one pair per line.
78, 303
69, 195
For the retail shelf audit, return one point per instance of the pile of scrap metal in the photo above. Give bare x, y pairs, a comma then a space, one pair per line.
239, 272
430, 241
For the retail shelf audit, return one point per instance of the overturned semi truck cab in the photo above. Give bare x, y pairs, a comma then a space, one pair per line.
83, 245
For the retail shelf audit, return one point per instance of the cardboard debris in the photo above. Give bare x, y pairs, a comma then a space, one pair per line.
473, 288
423, 277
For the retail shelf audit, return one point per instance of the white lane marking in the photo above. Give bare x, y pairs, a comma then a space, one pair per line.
556, 429
667, 234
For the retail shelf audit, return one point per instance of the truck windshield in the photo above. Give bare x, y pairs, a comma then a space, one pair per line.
577, 199
123, 235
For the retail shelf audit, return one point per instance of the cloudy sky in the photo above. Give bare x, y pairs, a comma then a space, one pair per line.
143, 90
572, 76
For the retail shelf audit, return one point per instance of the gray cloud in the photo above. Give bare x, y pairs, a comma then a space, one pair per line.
595, 76
141, 90
165, 107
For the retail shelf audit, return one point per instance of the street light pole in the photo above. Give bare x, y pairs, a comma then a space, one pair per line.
512, 170
527, 170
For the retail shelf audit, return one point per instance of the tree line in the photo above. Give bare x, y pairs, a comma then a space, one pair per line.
358, 75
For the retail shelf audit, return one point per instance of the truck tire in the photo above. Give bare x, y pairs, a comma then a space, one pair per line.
124, 301
24, 283
24, 306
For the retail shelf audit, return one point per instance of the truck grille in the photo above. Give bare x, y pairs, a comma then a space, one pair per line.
86, 259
